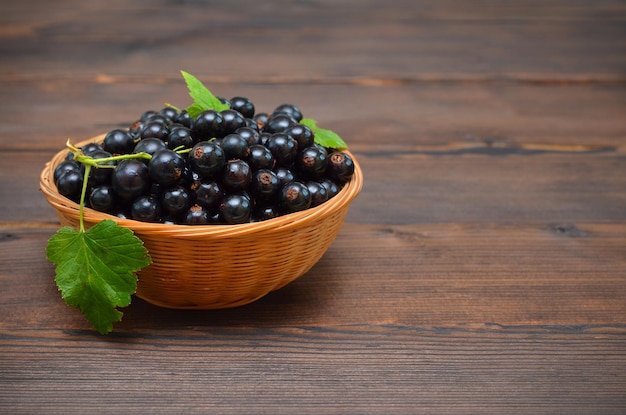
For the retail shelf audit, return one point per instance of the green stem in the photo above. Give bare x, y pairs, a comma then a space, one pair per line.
86, 160
82, 198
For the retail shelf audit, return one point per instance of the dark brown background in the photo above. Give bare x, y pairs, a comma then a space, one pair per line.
481, 270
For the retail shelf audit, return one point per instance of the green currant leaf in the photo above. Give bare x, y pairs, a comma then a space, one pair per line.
323, 137
203, 98
96, 269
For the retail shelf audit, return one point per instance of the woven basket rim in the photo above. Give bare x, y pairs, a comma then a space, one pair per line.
69, 208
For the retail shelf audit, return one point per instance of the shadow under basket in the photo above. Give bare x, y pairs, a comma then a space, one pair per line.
220, 266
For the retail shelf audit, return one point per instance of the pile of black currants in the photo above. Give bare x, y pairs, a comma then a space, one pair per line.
221, 167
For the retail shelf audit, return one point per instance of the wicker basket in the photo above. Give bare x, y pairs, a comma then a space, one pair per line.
220, 266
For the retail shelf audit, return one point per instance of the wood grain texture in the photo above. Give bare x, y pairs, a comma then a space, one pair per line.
481, 270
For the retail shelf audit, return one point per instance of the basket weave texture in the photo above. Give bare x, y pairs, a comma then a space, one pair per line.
220, 266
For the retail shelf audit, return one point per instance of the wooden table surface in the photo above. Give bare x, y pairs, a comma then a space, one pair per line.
481, 270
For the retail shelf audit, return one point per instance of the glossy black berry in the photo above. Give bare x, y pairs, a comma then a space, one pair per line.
184, 119
302, 134
208, 194
283, 148
171, 114
150, 145
102, 198
70, 184
235, 209
234, 147
294, 197
166, 167
118, 141
332, 188
260, 157
207, 125
100, 175
243, 105
312, 162
146, 209
265, 185
263, 212
175, 200
284, 175
236, 175
207, 159
179, 137
64, 166
249, 134
197, 215
231, 121
340, 167
89, 148
318, 192
260, 120
130, 179
289, 109
154, 129
277, 123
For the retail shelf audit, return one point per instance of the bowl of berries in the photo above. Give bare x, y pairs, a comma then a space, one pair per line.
225, 204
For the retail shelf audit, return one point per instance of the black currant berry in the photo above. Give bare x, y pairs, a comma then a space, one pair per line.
166, 167
283, 148
249, 134
70, 185
260, 157
130, 179
236, 175
100, 175
89, 148
289, 109
294, 197
302, 134
206, 158
284, 175
332, 188
340, 167
263, 212
118, 141
171, 114
260, 120
234, 147
235, 209
207, 125
102, 198
184, 119
278, 122
175, 200
146, 115
265, 185
146, 208
318, 192
243, 105
179, 136
231, 121
154, 129
62, 167
208, 194
149, 145
312, 162
197, 215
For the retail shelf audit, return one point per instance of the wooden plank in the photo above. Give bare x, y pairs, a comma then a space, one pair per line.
317, 40
276, 370
428, 276
406, 186
423, 117
444, 318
